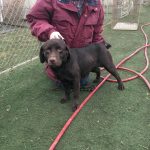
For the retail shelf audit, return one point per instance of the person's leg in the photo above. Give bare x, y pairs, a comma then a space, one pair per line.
84, 82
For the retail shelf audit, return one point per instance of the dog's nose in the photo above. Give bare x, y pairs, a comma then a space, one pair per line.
52, 60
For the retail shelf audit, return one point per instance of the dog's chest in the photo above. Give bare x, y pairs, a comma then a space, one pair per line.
63, 74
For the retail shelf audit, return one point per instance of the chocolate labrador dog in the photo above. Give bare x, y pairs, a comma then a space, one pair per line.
70, 65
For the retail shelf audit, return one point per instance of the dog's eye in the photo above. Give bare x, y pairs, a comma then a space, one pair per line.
46, 52
59, 50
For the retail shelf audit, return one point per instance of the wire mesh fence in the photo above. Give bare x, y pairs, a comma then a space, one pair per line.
146, 2
126, 14
16, 42
107, 5
17, 45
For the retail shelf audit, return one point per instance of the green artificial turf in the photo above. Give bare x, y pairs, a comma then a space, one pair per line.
31, 115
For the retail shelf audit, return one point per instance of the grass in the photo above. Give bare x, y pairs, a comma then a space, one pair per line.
31, 115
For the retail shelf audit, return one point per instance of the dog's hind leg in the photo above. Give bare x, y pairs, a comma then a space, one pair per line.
112, 69
98, 73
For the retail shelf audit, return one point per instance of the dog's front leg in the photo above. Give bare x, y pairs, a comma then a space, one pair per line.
76, 92
67, 93
98, 74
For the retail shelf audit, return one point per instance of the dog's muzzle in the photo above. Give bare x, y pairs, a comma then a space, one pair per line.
54, 62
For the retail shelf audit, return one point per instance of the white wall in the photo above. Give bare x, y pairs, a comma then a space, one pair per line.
107, 2
1, 9
27, 5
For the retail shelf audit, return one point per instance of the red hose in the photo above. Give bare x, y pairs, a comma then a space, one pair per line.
137, 74
53, 145
135, 52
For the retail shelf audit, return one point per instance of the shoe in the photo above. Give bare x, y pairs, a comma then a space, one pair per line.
84, 81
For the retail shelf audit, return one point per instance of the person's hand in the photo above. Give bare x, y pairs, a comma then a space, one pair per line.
56, 35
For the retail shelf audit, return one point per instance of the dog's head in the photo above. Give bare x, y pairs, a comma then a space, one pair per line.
55, 52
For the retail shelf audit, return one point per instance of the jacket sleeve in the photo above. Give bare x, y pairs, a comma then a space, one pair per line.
39, 19
98, 29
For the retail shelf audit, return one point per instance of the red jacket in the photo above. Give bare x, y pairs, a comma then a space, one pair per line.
61, 15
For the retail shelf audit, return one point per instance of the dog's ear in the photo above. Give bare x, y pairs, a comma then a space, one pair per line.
67, 48
68, 51
41, 54
66, 54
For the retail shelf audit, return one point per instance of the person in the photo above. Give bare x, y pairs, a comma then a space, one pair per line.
78, 22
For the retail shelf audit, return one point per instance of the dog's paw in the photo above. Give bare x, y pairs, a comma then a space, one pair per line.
121, 87
74, 107
63, 100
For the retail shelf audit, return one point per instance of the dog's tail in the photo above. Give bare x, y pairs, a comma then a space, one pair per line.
107, 45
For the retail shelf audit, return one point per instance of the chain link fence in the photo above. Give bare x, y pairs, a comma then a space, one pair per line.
17, 45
